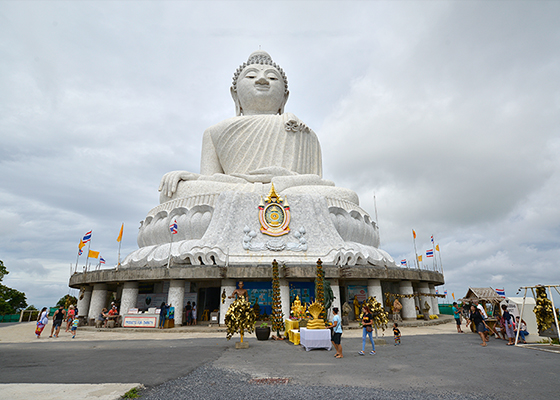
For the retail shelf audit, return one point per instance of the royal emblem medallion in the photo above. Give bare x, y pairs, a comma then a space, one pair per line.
274, 214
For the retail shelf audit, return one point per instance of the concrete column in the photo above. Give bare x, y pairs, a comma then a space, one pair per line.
423, 289
435, 306
98, 300
229, 286
176, 298
285, 298
408, 310
336, 293
83, 304
129, 297
374, 290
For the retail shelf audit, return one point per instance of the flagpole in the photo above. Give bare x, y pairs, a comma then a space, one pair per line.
77, 258
120, 241
415, 251
88, 246
440, 262
170, 244
434, 263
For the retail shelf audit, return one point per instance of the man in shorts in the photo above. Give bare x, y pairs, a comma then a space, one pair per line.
58, 317
457, 316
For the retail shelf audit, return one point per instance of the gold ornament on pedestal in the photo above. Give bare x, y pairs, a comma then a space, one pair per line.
240, 318
315, 309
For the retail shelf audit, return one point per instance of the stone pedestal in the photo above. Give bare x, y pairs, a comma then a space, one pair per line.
98, 300
408, 310
176, 298
239, 345
129, 297
83, 304
229, 286
374, 290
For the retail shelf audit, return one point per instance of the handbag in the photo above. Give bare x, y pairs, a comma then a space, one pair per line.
369, 328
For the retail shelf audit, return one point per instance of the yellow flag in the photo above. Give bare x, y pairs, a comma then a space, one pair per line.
453, 295
120, 233
81, 245
420, 258
93, 254
414, 234
437, 247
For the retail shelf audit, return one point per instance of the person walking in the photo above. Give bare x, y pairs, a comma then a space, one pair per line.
42, 321
457, 316
58, 317
188, 312
475, 318
337, 333
396, 334
367, 329
74, 328
70, 317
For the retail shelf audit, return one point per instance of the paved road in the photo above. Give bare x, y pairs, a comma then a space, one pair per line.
441, 365
150, 362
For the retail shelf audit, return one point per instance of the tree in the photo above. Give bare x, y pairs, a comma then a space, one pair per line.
12, 301
66, 301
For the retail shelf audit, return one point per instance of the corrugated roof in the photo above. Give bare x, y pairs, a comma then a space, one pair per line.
487, 294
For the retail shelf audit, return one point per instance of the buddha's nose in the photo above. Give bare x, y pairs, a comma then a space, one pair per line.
262, 81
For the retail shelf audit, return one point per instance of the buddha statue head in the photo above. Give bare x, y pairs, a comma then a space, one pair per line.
259, 86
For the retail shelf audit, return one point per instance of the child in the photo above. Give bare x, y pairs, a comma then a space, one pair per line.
75, 323
396, 334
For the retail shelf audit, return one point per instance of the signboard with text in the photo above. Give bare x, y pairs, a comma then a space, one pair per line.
140, 321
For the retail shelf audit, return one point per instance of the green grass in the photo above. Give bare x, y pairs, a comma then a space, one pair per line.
131, 394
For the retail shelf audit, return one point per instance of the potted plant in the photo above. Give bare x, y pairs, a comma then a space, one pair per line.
263, 332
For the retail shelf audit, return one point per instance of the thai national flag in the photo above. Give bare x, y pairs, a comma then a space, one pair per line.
173, 227
87, 237
101, 260
501, 292
432, 239
437, 292
430, 253
403, 262
80, 252
445, 292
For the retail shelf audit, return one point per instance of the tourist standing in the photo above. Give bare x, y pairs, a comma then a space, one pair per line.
58, 317
457, 316
367, 329
42, 321
162, 315
509, 325
188, 312
337, 333
194, 313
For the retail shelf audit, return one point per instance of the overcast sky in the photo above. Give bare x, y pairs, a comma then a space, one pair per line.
448, 111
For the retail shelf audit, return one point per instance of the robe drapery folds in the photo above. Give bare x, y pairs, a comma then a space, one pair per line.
252, 142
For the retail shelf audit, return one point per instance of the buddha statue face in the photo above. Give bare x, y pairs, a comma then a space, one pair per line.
259, 86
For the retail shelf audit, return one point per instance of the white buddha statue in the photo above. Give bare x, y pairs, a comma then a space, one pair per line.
217, 210
262, 144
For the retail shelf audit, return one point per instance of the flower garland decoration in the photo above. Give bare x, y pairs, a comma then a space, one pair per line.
319, 286
380, 316
277, 315
543, 310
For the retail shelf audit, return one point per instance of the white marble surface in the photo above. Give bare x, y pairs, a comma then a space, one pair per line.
98, 300
408, 310
129, 297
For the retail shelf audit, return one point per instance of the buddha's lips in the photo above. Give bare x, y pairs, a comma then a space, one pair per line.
262, 87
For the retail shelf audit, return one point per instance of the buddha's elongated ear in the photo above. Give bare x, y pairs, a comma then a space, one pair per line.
238, 109
281, 109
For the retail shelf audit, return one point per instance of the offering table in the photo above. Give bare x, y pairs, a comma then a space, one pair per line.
315, 338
